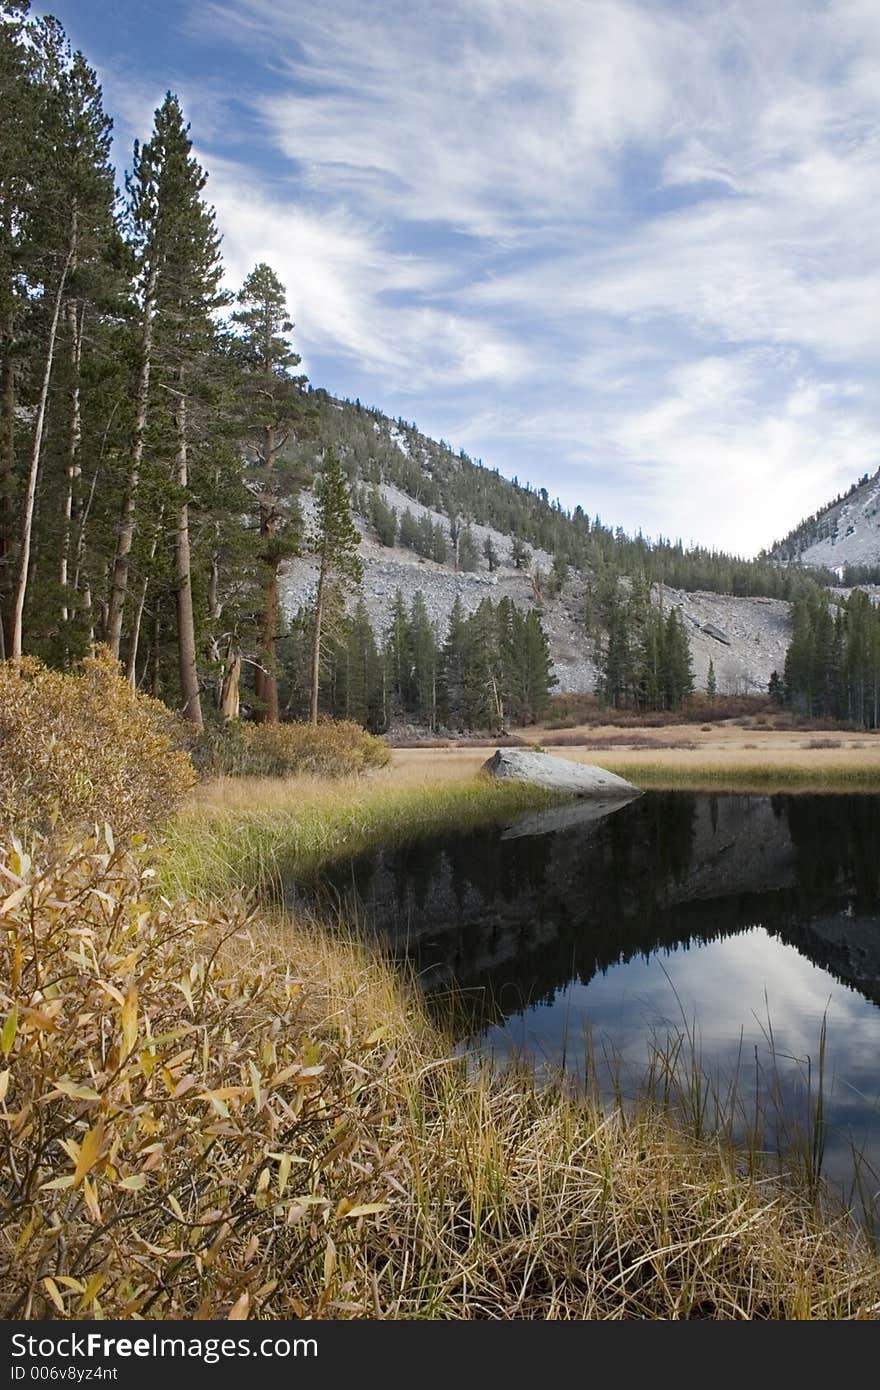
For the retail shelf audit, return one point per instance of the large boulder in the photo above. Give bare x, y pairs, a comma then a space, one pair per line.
557, 774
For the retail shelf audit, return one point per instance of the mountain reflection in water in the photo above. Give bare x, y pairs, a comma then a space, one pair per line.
729, 916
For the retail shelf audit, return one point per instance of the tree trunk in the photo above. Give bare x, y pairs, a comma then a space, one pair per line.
231, 688
214, 605
78, 577
125, 531
316, 644
33, 474
186, 631
74, 438
265, 680
134, 640
7, 467
155, 652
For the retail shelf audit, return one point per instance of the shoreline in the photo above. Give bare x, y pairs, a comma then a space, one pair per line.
684, 757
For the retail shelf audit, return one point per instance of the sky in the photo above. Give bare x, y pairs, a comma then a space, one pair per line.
625, 251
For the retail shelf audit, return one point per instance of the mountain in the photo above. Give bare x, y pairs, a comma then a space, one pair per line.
843, 535
417, 501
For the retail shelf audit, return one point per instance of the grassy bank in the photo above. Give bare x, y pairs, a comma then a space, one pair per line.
769, 777
249, 833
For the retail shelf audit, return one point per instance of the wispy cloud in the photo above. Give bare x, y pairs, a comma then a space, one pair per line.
625, 249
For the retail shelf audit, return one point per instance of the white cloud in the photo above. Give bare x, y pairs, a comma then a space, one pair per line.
351, 295
665, 303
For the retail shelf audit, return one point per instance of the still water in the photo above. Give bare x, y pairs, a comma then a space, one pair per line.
729, 927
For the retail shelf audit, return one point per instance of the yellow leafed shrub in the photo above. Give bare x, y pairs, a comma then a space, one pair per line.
81, 749
174, 1142
332, 748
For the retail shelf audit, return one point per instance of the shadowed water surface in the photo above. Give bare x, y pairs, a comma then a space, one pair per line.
726, 927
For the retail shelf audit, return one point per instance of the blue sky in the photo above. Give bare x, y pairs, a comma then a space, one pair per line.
628, 251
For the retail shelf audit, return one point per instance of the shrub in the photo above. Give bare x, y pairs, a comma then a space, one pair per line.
175, 1141
333, 748
81, 749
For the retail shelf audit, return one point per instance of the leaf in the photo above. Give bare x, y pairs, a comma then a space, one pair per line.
114, 993
53, 1291
89, 1152
377, 1035
175, 1206
10, 1028
14, 899
366, 1209
73, 1089
283, 1173
90, 1197
4, 1083
57, 1184
129, 1020
255, 1081
329, 1262
239, 1310
134, 1182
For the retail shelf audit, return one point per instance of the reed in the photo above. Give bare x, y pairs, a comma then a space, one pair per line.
253, 837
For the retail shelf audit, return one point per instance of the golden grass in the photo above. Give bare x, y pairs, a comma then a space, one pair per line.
252, 833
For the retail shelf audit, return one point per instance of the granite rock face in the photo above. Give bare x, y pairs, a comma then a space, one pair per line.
557, 774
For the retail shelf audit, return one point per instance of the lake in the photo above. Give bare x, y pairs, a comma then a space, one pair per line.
727, 929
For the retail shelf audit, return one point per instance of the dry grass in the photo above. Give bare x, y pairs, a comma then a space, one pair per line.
712, 758
244, 833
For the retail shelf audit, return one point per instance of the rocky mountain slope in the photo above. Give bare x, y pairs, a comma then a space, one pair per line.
845, 533
745, 638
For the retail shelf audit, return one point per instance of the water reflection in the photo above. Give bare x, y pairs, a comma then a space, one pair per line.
742, 919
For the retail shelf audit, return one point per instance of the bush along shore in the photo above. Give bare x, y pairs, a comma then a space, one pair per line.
212, 1110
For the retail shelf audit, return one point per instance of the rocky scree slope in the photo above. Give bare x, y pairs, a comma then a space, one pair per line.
847, 532
745, 638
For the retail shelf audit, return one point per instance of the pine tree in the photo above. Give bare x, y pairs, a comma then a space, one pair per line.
19, 160
275, 408
364, 682
678, 673
335, 543
424, 654
396, 657
452, 681
186, 298
467, 551
383, 518
520, 554
712, 684
55, 225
